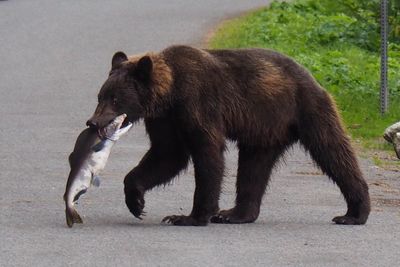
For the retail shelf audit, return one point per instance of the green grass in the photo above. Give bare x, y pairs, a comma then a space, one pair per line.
340, 50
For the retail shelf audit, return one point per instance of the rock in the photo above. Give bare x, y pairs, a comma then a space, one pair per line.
392, 135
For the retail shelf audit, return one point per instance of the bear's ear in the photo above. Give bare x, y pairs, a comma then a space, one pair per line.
118, 58
144, 68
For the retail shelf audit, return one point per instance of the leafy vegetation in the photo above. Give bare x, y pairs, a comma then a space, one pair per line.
339, 42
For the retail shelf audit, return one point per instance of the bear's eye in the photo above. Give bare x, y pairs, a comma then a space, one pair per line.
114, 101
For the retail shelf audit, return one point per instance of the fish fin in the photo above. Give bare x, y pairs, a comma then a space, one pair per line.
80, 193
99, 146
72, 217
96, 181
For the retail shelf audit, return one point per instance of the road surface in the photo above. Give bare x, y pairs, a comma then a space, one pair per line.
54, 57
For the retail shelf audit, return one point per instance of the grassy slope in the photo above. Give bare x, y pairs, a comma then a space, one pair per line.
346, 70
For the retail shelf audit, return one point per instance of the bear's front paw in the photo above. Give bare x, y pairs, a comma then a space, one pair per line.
183, 220
134, 199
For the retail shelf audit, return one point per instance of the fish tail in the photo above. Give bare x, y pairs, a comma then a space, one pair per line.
72, 217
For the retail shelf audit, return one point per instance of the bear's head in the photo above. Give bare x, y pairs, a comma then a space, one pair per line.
137, 86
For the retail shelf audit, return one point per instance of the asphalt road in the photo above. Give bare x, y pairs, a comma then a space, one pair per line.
54, 56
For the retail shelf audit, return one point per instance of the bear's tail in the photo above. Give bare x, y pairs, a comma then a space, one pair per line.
323, 136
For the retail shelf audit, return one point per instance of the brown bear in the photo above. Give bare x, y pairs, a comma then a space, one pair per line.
193, 100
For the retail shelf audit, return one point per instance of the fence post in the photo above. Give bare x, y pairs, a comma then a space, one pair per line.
384, 57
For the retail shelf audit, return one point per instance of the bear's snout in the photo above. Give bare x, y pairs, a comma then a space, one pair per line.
98, 122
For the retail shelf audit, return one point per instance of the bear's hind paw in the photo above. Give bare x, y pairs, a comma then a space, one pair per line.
182, 220
348, 220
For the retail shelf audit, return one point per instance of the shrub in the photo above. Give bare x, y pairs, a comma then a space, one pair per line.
338, 41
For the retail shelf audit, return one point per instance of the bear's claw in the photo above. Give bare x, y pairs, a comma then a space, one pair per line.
135, 202
219, 218
232, 216
182, 220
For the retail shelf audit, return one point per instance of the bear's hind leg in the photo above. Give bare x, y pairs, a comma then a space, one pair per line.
254, 170
322, 135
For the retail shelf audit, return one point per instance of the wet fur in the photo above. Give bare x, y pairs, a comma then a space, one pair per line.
259, 98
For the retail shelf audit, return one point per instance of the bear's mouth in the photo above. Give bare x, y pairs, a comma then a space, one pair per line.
102, 132
125, 122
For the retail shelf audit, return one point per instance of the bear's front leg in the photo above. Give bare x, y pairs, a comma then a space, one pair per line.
157, 167
166, 157
207, 156
134, 195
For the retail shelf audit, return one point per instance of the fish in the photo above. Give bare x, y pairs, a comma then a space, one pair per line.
89, 157
392, 135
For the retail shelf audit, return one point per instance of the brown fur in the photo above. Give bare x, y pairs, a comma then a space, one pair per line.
161, 75
192, 100
273, 81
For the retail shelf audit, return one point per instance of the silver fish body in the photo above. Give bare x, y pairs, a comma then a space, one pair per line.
88, 159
